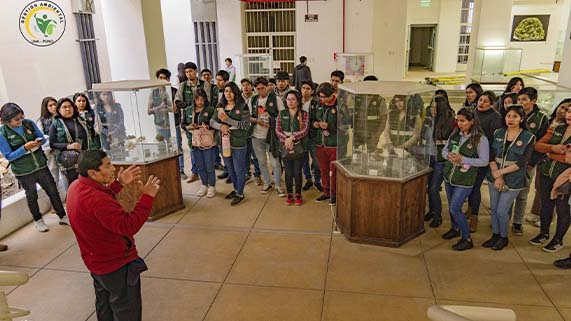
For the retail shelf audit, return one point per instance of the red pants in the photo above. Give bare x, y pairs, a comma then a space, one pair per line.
325, 157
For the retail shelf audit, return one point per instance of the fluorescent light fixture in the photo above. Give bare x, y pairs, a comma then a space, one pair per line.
425, 3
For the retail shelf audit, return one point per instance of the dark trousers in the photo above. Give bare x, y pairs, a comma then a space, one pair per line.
70, 175
44, 178
293, 171
561, 205
115, 300
312, 151
475, 198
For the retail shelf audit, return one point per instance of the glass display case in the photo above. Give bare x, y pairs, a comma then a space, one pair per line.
381, 126
493, 65
137, 122
355, 65
256, 65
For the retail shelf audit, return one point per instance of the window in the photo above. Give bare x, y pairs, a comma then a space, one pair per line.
206, 44
270, 29
88, 47
465, 30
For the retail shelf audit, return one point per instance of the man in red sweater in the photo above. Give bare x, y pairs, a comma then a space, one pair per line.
104, 232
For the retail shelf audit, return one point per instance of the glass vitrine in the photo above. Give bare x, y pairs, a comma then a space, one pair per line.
380, 128
355, 66
496, 65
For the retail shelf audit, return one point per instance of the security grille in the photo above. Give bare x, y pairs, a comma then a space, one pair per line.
465, 30
88, 48
270, 29
206, 44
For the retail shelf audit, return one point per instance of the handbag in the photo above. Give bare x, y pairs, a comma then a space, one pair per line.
203, 138
68, 159
297, 152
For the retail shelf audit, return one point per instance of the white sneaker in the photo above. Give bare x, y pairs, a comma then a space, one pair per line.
266, 189
64, 220
41, 225
532, 218
202, 191
281, 192
211, 192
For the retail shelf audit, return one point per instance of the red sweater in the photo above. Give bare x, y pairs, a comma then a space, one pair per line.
104, 230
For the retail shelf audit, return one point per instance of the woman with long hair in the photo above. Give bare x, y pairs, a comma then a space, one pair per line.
466, 150
473, 92
90, 116
292, 129
232, 119
47, 113
511, 150
504, 102
438, 125
113, 131
514, 85
69, 135
405, 125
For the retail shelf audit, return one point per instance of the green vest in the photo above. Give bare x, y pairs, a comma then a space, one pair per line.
549, 167
400, 130
161, 118
238, 137
61, 137
505, 158
271, 107
203, 118
326, 137
290, 126
30, 162
458, 175
535, 121
188, 91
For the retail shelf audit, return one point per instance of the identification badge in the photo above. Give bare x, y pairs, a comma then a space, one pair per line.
205, 114
271, 104
519, 143
237, 111
532, 125
469, 146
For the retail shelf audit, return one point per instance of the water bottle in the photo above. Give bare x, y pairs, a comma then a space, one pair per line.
226, 147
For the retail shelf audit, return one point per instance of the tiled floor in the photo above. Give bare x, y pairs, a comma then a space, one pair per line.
266, 261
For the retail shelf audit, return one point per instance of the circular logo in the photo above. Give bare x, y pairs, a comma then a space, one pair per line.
470, 146
532, 125
519, 143
42, 23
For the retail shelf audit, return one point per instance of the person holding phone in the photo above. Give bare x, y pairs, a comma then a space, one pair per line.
466, 150
20, 143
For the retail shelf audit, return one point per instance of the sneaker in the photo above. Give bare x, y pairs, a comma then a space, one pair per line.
211, 192
318, 186
322, 198
500, 244
3, 247
219, 167
333, 200
259, 181
463, 245
289, 199
308, 184
223, 176
193, 178
452, 233
539, 239
553, 246
266, 189
281, 192
428, 216
492, 241
237, 200
436, 222
298, 200
228, 180
64, 220
517, 229
41, 225
183, 176
563, 263
202, 191
230, 195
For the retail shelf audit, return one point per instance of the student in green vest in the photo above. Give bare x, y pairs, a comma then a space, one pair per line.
113, 133
405, 125
292, 129
232, 119
196, 121
438, 125
556, 145
20, 143
537, 124
511, 150
251, 159
183, 99
160, 105
90, 116
69, 135
310, 104
265, 108
466, 150
217, 92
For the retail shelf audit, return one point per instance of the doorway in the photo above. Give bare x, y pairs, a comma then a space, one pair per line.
421, 45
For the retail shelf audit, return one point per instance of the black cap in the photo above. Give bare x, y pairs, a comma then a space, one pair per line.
9, 111
282, 75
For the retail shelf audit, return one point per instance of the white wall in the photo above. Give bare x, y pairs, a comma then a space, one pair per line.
179, 33
125, 33
318, 41
359, 26
421, 15
448, 36
30, 73
230, 30
565, 70
389, 35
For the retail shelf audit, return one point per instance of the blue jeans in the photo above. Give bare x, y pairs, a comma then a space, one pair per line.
456, 197
252, 159
501, 203
204, 164
312, 151
434, 182
179, 145
262, 150
475, 198
237, 169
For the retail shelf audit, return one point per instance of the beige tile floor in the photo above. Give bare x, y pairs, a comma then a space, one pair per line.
266, 261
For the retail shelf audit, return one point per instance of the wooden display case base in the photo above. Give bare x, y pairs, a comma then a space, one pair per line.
168, 200
386, 212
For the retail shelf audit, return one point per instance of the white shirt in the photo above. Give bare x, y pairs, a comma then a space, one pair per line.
261, 132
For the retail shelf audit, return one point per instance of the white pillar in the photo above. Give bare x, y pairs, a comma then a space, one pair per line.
448, 36
565, 70
178, 33
491, 27
389, 34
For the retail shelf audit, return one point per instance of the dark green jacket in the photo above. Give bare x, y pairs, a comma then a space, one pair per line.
550, 167
289, 125
239, 121
537, 124
203, 118
31, 162
313, 106
507, 157
458, 175
326, 137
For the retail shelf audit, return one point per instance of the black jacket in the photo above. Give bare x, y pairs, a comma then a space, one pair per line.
301, 73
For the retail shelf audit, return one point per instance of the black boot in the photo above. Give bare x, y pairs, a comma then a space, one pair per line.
491, 242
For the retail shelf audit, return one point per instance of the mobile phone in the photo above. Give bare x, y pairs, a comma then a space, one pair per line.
456, 149
39, 139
